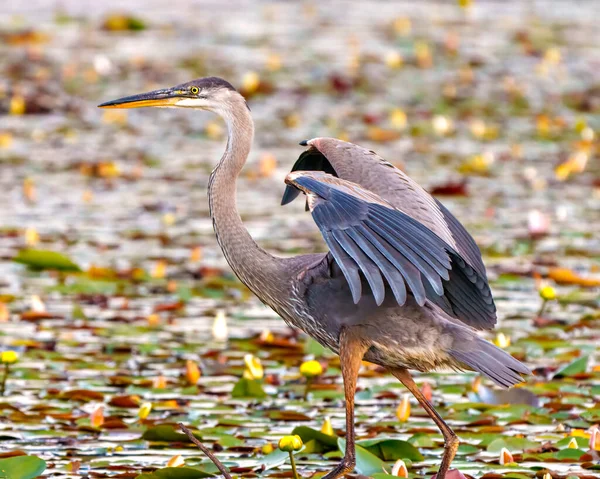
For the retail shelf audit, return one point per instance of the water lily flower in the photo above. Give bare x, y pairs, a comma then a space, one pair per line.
9, 357
310, 369
250, 82
594, 442
427, 391
144, 410
572, 444
160, 382
502, 341
505, 457
192, 372
538, 224
254, 369
399, 469
266, 336
327, 428
97, 417
441, 125
267, 448
547, 293
32, 237
176, 461
220, 331
290, 443
403, 410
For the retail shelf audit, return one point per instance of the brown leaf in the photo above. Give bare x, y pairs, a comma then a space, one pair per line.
84, 395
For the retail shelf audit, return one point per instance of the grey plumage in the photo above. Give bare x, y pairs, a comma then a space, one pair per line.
403, 284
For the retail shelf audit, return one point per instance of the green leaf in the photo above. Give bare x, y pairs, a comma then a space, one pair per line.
308, 433
367, 464
164, 433
573, 454
176, 473
511, 443
39, 259
21, 467
230, 441
248, 388
422, 440
391, 449
575, 367
275, 459
582, 442
313, 347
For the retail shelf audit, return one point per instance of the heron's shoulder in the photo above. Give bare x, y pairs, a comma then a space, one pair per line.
336, 147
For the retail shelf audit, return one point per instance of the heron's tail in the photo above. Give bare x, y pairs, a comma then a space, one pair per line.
494, 363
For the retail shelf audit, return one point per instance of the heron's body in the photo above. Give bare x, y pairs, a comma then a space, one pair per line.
403, 284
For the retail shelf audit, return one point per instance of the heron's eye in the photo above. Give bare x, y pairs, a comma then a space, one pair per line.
195, 90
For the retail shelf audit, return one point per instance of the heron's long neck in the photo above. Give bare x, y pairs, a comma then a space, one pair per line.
256, 268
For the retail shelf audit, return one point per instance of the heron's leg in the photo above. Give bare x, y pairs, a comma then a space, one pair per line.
450, 439
352, 349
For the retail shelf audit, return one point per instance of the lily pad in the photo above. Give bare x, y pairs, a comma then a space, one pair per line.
166, 433
21, 467
248, 388
575, 367
367, 463
176, 473
38, 260
307, 434
391, 449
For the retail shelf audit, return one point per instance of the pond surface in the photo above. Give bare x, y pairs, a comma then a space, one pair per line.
495, 108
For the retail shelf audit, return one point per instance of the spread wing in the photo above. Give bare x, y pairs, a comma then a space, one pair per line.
368, 236
364, 167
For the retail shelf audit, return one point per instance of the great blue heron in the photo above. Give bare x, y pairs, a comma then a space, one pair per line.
403, 284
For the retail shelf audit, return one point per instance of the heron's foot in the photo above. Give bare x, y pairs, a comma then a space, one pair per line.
450, 447
344, 467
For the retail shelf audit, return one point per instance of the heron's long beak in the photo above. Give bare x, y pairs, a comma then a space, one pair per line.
165, 97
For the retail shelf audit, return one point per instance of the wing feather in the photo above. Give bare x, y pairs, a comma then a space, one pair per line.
368, 236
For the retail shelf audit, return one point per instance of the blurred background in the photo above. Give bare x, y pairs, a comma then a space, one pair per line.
493, 106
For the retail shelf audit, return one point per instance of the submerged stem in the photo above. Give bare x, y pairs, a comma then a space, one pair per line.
206, 451
4, 378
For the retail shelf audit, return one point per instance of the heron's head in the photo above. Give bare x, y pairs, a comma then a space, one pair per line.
210, 93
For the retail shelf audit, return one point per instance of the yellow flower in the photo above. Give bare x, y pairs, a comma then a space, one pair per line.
250, 82
398, 119
547, 293
290, 443
192, 372
254, 369
403, 410
310, 369
267, 448
97, 417
502, 341
144, 410
393, 59
572, 444
176, 461
327, 428
9, 357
